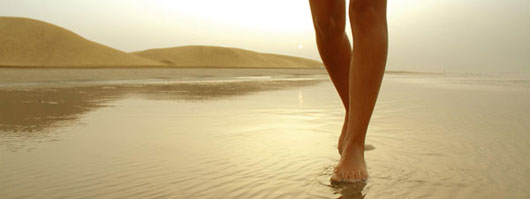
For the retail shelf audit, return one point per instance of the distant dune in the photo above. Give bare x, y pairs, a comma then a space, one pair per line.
31, 43
28, 42
212, 56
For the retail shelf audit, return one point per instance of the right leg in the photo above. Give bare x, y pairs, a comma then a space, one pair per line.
329, 19
370, 36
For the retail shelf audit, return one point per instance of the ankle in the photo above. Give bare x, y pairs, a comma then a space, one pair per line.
354, 144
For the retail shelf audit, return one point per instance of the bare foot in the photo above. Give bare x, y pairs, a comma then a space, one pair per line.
351, 167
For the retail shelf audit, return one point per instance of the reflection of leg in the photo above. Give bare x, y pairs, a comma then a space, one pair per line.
349, 190
370, 36
329, 18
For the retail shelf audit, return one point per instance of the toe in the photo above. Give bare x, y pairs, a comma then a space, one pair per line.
335, 178
364, 176
358, 175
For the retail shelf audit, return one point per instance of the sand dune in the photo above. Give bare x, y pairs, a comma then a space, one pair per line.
31, 43
213, 56
28, 42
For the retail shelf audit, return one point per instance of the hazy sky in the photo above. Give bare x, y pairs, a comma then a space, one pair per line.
425, 35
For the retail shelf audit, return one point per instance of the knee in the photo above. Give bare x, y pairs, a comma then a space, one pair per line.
367, 12
329, 27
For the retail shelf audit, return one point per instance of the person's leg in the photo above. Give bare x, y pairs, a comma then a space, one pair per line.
329, 19
370, 48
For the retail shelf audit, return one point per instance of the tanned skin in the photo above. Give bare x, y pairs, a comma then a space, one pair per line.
356, 73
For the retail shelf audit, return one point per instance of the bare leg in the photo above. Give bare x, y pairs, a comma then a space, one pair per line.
370, 36
329, 19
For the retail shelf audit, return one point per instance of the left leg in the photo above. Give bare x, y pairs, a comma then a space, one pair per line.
370, 47
329, 19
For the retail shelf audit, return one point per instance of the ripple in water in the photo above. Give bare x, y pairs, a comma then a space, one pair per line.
269, 141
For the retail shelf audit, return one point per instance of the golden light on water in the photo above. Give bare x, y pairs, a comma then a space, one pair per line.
300, 98
257, 138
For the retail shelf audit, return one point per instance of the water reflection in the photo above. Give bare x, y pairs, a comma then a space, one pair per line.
432, 142
341, 190
349, 190
29, 113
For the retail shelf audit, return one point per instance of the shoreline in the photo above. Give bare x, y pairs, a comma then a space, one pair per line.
62, 76
13, 76
150, 66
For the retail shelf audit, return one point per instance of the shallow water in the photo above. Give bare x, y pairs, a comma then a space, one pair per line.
435, 136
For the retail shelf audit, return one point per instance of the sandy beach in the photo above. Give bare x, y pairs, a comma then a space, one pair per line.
256, 133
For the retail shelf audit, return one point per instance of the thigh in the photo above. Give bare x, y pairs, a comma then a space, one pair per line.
326, 12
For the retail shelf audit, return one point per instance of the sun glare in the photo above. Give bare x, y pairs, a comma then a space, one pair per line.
398, 8
272, 15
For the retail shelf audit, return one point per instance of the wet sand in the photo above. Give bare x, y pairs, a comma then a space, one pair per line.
210, 133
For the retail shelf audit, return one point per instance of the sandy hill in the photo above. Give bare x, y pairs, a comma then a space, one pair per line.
28, 42
31, 43
212, 56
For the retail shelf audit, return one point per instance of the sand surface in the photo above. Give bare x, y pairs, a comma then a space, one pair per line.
258, 134
212, 56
